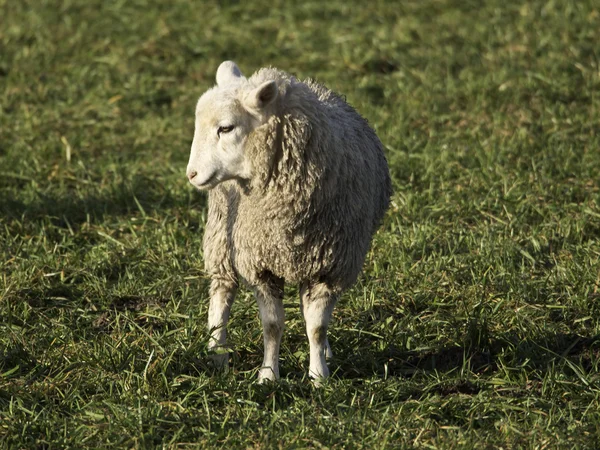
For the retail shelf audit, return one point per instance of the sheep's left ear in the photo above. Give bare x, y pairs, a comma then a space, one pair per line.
228, 73
262, 96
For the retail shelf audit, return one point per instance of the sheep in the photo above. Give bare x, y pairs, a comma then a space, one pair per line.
297, 185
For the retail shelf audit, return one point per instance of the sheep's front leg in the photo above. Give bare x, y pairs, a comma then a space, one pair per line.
270, 305
222, 294
318, 301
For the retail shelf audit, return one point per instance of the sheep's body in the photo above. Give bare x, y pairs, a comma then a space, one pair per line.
315, 188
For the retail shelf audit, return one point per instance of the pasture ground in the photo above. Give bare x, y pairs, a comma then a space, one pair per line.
476, 321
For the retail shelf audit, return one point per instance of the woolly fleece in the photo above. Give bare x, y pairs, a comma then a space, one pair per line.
314, 189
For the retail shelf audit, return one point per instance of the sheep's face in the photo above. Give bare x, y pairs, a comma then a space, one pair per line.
225, 116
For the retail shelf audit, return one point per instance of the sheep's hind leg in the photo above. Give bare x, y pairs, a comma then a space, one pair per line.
318, 301
270, 305
222, 295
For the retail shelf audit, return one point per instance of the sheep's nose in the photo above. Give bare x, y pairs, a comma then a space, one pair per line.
192, 174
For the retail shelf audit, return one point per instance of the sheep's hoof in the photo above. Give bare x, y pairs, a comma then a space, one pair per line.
267, 375
220, 361
319, 375
318, 382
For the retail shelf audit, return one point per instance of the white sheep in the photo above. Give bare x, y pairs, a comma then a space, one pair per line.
298, 183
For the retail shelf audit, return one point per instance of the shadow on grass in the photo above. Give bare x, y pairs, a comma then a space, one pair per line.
538, 354
139, 196
67, 296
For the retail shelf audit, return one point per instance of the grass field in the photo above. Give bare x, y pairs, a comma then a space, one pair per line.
476, 322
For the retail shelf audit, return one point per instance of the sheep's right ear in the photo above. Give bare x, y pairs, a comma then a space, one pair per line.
228, 73
261, 96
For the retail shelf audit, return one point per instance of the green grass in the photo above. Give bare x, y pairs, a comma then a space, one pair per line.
476, 322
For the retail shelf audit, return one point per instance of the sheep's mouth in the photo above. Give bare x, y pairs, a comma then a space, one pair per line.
208, 183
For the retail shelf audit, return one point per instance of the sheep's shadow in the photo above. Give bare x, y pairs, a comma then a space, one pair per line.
539, 353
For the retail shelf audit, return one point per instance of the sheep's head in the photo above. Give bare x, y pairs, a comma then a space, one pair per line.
225, 116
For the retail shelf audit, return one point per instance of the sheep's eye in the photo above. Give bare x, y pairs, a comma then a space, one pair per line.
226, 129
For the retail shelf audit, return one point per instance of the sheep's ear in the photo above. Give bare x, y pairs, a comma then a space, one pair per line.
262, 96
227, 73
